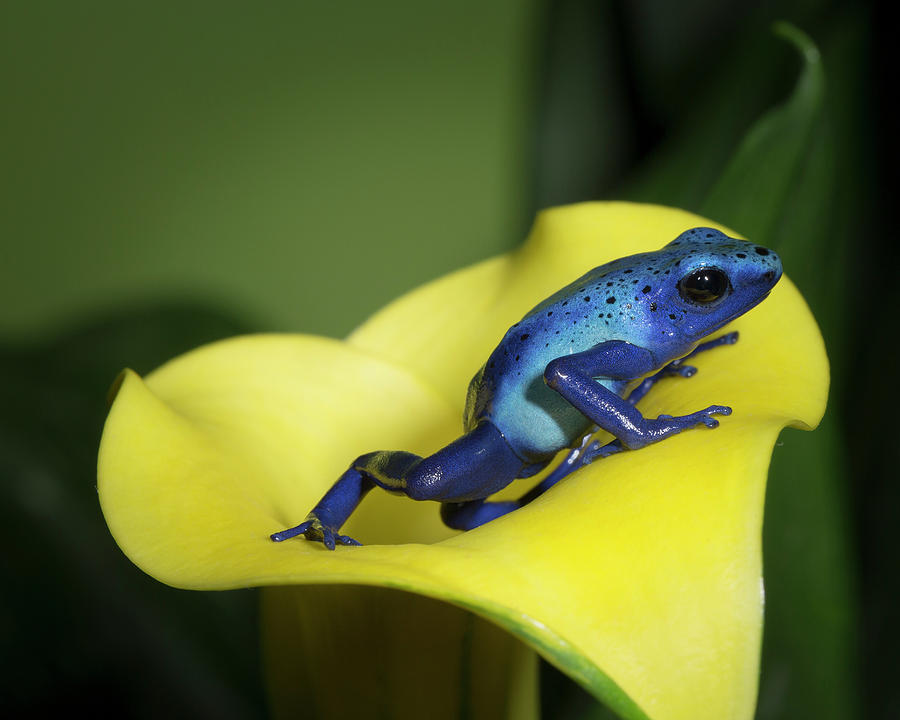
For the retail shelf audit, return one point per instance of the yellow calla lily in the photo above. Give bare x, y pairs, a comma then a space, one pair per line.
639, 575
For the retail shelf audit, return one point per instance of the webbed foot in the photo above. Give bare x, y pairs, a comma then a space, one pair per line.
313, 529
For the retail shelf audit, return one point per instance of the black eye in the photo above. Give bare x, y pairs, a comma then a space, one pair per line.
703, 286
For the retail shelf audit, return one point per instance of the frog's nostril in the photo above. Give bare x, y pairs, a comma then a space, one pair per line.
769, 276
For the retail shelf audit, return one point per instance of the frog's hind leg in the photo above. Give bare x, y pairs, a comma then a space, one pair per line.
469, 515
474, 466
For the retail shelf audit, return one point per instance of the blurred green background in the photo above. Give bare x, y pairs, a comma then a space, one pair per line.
176, 173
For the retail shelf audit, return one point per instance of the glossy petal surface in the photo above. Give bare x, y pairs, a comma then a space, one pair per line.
640, 575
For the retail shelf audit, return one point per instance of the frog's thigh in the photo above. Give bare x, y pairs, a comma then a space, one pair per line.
469, 515
474, 466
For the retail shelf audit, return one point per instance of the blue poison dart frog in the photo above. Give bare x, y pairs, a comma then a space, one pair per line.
577, 362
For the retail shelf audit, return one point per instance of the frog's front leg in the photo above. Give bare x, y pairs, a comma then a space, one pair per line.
677, 367
472, 467
572, 376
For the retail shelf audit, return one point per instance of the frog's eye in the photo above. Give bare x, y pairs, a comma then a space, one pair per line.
704, 286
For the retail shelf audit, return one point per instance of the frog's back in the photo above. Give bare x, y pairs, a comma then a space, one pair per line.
510, 390
637, 300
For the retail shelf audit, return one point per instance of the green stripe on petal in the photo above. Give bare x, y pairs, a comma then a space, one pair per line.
639, 575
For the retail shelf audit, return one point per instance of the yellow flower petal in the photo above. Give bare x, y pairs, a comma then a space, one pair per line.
639, 575
237, 439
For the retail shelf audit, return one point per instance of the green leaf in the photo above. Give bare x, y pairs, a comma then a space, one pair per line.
783, 188
751, 193
795, 183
89, 629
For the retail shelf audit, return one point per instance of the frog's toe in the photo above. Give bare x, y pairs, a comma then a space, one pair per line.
314, 530
283, 535
676, 368
596, 450
328, 538
706, 416
718, 410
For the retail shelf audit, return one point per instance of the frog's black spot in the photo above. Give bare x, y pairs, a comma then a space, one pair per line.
656, 272
709, 235
652, 307
769, 276
546, 344
609, 284
646, 289
666, 272
761, 251
565, 302
516, 325
677, 263
741, 256
492, 364
671, 316
610, 300
556, 333
549, 313
517, 358
609, 315
567, 312
587, 298
676, 243
524, 337
628, 271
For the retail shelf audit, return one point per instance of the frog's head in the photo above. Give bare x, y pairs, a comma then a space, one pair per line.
713, 279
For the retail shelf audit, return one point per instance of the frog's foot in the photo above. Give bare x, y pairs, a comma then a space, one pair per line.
596, 450
726, 339
673, 368
666, 425
313, 529
676, 368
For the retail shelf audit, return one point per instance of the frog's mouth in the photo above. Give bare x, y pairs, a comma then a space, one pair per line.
758, 301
